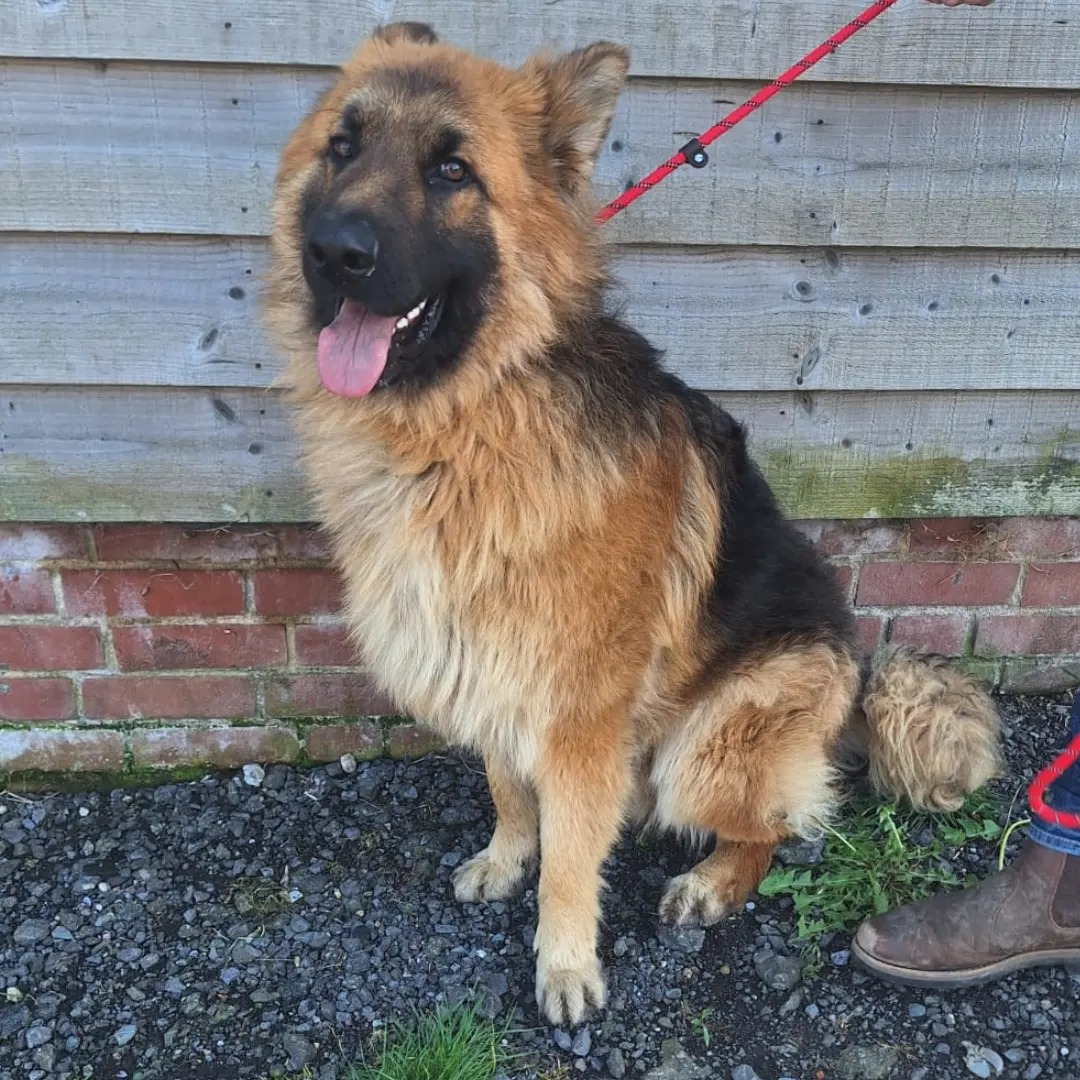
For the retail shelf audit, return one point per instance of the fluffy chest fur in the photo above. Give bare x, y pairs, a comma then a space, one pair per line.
483, 683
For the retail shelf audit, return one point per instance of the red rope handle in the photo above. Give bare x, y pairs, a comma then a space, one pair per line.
1051, 773
879, 7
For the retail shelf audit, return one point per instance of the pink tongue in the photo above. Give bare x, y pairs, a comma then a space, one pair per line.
353, 350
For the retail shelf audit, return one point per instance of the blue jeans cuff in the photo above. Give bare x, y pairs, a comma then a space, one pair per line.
1054, 837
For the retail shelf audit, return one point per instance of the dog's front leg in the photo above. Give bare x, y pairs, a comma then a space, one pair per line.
582, 784
499, 870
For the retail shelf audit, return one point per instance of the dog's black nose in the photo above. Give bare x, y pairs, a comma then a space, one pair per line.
342, 247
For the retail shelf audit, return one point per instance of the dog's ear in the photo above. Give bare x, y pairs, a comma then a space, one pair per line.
418, 32
582, 89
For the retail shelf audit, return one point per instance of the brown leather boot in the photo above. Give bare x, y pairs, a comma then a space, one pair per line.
1026, 916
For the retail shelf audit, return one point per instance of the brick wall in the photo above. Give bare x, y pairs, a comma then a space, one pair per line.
127, 647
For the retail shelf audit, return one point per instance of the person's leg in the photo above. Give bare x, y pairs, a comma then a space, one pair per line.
1025, 916
1064, 795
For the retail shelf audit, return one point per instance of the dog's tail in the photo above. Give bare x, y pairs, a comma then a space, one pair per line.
927, 731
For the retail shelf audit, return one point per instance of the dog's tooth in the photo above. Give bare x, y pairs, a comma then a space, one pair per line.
401, 323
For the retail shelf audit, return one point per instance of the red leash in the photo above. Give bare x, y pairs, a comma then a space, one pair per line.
1036, 795
693, 153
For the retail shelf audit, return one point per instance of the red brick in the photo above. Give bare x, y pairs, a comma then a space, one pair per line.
843, 575
148, 646
223, 748
855, 537
29, 543
328, 742
1052, 585
25, 592
36, 699
153, 593
952, 537
413, 740
184, 544
61, 751
935, 583
50, 648
1018, 635
1040, 537
868, 629
305, 542
944, 634
324, 643
344, 694
176, 697
297, 592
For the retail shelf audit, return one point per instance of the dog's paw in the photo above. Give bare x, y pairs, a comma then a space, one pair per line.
484, 878
567, 995
692, 900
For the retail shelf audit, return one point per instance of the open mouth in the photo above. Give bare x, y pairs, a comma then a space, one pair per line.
360, 350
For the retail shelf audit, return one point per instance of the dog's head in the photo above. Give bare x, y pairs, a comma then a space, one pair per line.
433, 212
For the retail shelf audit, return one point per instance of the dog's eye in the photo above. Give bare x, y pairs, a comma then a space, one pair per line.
453, 171
342, 148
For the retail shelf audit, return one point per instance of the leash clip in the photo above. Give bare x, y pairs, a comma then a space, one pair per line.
694, 153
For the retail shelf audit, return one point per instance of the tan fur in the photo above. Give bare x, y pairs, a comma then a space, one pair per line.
930, 731
528, 592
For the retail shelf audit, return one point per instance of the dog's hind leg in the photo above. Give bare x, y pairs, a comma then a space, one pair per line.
752, 765
499, 870
717, 885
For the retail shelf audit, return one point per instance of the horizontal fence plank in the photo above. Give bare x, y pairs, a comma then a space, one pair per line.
1035, 43
184, 312
83, 453
193, 149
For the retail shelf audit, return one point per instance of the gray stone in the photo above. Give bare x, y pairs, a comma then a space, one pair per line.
45, 1057
1033, 1071
13, 1020
867, 1062
744, 1072
245, 953
801, 852
688, 939
792, 1003
916, 1011
31, 931
582, 1043
676, 1064
298, 1051
778, 972
125, 1034
562, 1039
37, 1036
254, 775
616, 1064
982, 1061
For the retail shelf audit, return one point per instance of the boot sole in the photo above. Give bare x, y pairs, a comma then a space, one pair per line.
959, 979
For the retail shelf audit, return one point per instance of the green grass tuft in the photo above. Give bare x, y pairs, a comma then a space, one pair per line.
880, 856
450, 1044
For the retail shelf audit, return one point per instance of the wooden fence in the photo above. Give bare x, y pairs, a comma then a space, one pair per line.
877, 272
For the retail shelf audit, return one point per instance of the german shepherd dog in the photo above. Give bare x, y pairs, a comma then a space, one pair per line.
553, 550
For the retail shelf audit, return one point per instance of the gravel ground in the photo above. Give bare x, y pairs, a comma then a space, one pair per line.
264, 925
